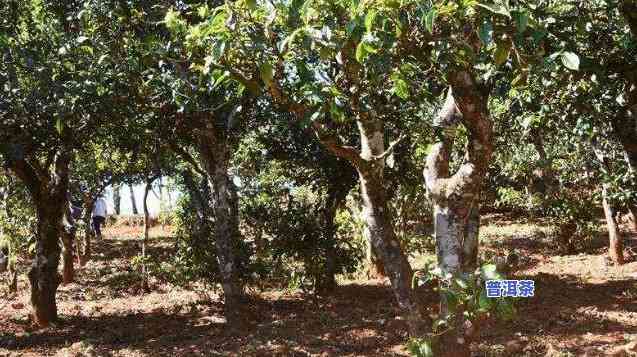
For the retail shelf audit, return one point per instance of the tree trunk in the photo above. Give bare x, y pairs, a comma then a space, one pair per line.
84, 252
13, 279
632, 217
616, 245
43, 276
133, 202
456, 197
615, 241
216, 153
117, 198
375, 267
68, 271
378, 219
145, 284
67, 238
546, 174
625, 125
337, 193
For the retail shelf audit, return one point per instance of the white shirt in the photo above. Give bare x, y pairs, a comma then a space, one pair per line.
99, 209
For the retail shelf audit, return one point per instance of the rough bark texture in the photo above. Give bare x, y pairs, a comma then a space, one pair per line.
375, 267
625, 124
216, 154
632, 217
117, 198
133, 201
456, 197
68, 237
378, 219
615, 240
147, 188
336, 195
369, 163
48, 189
84, 252
68, 270
545, 172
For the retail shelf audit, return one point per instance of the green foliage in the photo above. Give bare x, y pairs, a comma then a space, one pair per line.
465, 296
295, 240
17, 218
195, 257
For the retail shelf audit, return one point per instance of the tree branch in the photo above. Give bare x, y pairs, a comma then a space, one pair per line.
335, 146
186, 157
390, 148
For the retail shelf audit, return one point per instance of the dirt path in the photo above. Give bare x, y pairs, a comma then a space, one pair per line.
582, 307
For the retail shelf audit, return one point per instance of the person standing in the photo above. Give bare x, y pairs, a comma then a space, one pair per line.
99, 215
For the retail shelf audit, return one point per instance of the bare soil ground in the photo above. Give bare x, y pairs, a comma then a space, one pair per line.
583, 307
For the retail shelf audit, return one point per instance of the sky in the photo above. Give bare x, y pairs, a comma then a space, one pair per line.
153, 200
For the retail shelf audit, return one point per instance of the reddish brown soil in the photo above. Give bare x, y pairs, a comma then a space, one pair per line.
582, 307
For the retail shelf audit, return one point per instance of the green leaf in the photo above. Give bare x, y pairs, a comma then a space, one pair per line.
401, 89
521, 20
369, 20
485, 303
203, 11
87, 49
59, 125
420, 348
570, 60
429, 18
502, 52
285, 44
101, 59
251, 4
486, 32
218, 49
461, 283
490, 272
497, 9
267, 73
361, 53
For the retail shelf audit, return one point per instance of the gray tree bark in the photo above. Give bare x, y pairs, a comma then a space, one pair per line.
615, 239
133, 201
117, 198
48, 190
625, 124
456, 197
215, 152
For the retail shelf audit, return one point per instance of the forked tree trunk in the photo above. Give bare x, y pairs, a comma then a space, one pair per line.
370, 163
215, 152
456, 197
49, 197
